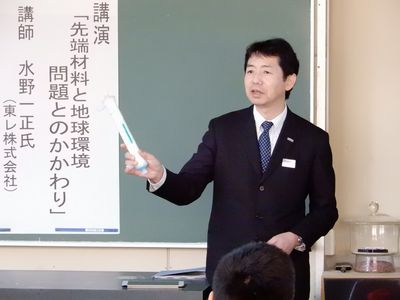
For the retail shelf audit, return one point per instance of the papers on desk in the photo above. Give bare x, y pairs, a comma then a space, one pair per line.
166, 279
152, 284
183, 274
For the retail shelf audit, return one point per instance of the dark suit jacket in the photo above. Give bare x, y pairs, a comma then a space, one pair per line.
249, 205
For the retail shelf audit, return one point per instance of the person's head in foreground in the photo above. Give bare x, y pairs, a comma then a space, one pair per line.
254, 271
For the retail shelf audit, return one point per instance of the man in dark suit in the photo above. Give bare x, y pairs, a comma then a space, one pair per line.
259, 197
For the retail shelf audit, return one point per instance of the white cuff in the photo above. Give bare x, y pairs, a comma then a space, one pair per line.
155, 186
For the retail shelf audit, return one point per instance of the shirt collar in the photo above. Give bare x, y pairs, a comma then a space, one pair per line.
278, 120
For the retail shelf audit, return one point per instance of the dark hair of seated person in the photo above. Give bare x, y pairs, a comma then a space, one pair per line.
254, 271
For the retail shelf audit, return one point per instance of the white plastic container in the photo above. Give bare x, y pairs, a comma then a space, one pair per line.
374, 263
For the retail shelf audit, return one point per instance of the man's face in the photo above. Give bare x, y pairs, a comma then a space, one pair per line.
264, 83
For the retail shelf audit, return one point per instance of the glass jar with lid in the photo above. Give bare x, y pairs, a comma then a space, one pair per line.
374, 240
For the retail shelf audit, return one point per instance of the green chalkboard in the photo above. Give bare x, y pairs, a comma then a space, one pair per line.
181, 64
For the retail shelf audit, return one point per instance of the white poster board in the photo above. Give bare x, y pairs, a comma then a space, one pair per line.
59, 151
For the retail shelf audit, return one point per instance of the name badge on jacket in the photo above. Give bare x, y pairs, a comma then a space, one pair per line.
289, 163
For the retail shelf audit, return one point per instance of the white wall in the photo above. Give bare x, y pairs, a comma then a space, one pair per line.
364, 106
99, 257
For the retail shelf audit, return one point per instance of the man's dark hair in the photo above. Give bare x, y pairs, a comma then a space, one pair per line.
276, 47
254, 271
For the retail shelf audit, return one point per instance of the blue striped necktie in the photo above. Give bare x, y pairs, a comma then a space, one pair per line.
265, 145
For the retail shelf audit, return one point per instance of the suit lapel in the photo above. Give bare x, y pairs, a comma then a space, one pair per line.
285, 141
249, 140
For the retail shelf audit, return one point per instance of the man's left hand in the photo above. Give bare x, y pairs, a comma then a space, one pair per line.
286, 241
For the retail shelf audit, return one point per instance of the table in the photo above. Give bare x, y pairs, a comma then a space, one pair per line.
88, 285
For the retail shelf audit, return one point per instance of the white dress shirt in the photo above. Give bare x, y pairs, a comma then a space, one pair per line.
275, 129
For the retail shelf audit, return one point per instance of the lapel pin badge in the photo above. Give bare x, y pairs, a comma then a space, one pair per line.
290, 139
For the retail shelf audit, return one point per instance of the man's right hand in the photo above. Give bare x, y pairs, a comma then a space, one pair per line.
155, 169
